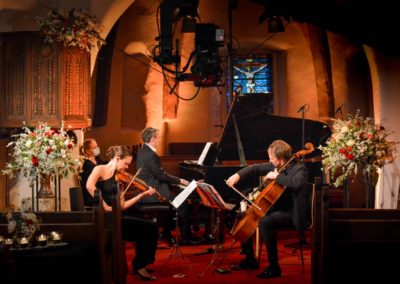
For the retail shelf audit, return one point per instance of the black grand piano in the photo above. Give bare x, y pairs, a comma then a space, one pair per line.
249, 129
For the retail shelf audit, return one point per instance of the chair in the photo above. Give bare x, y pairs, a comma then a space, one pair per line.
153, 210
76, 199
310, 197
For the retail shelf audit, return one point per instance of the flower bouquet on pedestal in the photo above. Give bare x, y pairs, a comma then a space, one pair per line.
357, 145
41, 153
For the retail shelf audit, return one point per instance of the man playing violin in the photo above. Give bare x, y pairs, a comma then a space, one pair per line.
289, 209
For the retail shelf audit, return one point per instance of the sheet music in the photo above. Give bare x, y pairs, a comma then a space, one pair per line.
204, 153
213, 197
181, 197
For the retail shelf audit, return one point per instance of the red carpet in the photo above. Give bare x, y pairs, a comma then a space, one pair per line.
192, 266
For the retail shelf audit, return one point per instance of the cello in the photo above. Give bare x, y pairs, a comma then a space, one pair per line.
270, 192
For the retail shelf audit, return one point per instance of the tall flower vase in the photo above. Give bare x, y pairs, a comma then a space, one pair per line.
45, 187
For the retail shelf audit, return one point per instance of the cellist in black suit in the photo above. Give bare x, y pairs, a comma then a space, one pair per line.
288, 211
154, 175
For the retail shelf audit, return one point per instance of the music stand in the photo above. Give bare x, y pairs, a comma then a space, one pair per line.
211, 198
176, 251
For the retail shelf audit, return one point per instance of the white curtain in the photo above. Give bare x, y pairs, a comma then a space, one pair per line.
387, 187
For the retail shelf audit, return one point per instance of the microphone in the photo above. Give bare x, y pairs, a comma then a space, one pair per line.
303, 108
339, 109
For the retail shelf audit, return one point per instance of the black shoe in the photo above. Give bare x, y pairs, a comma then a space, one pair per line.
168, 238
248, 263
207, 239
144, 275
270, 272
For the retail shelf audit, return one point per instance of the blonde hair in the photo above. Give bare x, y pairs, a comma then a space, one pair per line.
281, 149
118, 151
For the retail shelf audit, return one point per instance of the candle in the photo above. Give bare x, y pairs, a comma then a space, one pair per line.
23, 242
1, 240
42, 239
55, 236
8, 242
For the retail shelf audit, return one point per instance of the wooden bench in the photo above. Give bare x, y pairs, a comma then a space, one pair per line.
354, 245
93, 241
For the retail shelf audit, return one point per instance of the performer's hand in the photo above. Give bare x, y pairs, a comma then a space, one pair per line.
149, 192
272, 175
184, 182
232, 180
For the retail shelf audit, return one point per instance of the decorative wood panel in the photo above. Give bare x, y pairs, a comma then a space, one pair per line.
13, 73
42, 82
76, 90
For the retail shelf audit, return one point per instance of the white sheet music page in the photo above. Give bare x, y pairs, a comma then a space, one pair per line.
181, 197
204, 153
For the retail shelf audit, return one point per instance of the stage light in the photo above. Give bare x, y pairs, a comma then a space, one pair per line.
188, 24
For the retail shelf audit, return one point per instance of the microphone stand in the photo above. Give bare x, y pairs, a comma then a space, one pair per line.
303, 121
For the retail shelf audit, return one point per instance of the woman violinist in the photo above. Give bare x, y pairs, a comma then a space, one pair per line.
143, 232
289, 210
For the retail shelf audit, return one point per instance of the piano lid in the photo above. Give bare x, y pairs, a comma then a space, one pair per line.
258, 128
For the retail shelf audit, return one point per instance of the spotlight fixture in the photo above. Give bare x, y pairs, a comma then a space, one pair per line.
275, 24
188, 24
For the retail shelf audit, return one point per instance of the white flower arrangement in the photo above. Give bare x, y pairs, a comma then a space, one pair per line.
357, 144
41, 151
73, 27
21, 223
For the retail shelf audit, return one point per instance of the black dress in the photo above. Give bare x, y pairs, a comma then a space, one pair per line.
141, 231
87, 169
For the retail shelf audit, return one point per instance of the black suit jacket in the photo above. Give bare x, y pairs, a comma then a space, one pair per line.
153, 173
294, 198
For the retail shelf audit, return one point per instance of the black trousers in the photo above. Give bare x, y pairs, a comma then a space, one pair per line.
145, 235
269, 226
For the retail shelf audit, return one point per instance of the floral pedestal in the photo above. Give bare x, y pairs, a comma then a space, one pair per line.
359, 191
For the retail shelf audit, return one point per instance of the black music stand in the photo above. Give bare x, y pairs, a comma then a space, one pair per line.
211, 198
176, 251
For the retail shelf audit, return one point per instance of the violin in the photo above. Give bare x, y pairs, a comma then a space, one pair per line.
141, 185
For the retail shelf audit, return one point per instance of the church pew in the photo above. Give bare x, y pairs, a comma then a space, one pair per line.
355, 245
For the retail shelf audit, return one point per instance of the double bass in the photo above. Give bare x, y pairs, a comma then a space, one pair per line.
246, 225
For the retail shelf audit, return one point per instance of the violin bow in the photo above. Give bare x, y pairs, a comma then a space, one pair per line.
242, 195
129, 184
